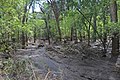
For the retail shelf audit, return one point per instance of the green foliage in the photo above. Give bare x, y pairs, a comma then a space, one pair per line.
114, 27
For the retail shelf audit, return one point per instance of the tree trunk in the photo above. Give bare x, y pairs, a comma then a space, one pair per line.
59, 30
89, 32
115, 45
71, 34
26, 38
95, 28
76, 39
18, 36
105, 32
48, 31
23, 40
34, 35
114, 18
81, 39
23, 22
56, 12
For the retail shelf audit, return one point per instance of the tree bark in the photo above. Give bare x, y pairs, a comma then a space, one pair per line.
71, 34
95, 28
105, 32
34, 35
59, 30
23, 22
114, 18
81, 39
89, 32
48, 30
56, 12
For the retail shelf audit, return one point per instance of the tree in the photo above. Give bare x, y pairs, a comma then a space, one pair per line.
114, 19
56, 12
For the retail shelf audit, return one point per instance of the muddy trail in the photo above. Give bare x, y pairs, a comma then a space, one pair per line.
69, 62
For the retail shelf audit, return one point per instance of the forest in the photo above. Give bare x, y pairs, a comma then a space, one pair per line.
59, 39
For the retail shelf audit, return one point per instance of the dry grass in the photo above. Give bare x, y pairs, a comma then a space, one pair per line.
34, 74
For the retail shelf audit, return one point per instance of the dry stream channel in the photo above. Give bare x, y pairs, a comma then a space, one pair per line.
69, 66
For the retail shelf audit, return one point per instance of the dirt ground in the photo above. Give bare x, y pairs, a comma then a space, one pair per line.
68, 62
